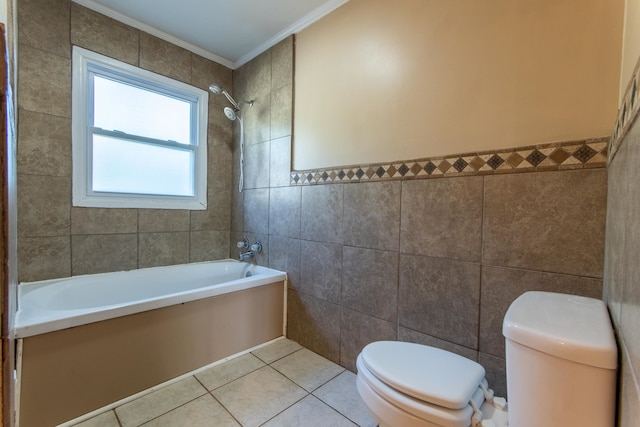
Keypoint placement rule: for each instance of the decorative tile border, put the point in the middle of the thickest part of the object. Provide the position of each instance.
(627, 113)
(591, 153)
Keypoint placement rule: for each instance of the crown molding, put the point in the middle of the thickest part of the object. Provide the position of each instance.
(296, 27)
(154, 31)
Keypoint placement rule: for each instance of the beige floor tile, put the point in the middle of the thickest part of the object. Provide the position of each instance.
(277, 350)
(307, 369)
(159, 402)
(258, 396)
(341, 394)
(106, 419)
(205, 411)
(309, 412)
(229, 371)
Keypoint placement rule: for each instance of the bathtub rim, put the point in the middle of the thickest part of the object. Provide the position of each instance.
(28, 323)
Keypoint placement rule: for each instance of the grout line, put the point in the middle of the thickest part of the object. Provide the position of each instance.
(117, 417)
(70, 252)
(210, 393)
(398, 253)
(447, 341)
(329, 380)
(482, 222)
(542, 271)
(175, 408)
(224, 407)
(235, 379)
(279, 358)
(341, 308)
(205, 387)
(308, 393)
(285, 409)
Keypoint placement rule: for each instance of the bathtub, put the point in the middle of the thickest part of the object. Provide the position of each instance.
(51, 305)
(87, 341)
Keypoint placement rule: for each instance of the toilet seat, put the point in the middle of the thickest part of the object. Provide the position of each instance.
(420, 385)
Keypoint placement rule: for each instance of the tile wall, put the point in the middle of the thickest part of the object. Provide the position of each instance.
(580, 154)
(58, 240)
(432, 261)
(435, 261)
(622, 272)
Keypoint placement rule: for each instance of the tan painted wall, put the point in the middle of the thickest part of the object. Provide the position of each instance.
(381, 80)
(630, 43)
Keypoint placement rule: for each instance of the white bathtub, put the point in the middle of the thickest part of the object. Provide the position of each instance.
(130, 331)
(56, 304)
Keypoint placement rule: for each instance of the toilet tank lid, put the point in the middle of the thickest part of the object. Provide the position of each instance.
(571, 327)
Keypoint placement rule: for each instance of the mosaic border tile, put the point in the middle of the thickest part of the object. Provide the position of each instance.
(627, 113)
(590, 153)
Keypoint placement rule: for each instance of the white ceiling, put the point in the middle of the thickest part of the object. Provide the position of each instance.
(231, 32)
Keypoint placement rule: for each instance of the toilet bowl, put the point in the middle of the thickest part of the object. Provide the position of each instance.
(561, 372)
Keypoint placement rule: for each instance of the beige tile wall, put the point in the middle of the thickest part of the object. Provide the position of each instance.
(436, 261)
(622, 272)
(329, 238)
(56, 239)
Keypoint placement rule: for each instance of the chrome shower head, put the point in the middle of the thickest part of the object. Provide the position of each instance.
(215, 89)
(220, 90)
(230, 113)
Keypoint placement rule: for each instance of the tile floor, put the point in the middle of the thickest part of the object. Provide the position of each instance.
(280, 385)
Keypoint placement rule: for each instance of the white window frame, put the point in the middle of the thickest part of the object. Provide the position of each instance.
(83, 130)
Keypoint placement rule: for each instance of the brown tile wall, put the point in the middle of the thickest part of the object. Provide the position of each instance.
(622, 270)
(436, 261)
(56, 239)
(358, 256)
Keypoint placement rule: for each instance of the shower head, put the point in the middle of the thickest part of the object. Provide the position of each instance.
(220, 90)
(215, 89)
(230, 113)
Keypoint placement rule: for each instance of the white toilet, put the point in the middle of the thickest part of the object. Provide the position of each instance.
(561, 372)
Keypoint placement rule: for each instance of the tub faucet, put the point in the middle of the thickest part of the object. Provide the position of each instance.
(253, 250)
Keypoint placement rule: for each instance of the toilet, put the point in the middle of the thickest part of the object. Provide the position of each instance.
(561, 359)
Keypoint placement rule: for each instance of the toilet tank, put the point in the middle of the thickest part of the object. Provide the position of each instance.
(561, 361)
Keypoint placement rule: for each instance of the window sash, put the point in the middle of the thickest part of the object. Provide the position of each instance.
(85, 65)
(94, 70)
(168, 145)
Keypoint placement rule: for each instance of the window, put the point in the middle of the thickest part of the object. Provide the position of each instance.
(139, 139)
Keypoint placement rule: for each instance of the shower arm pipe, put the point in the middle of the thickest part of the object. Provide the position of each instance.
(220, 90)
(235, 104)
(231, 100)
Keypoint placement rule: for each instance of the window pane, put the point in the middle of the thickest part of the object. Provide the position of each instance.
(124, 166)
(137, 111)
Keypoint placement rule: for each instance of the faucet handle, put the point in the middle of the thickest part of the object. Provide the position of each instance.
(243, 244)
(256, 247)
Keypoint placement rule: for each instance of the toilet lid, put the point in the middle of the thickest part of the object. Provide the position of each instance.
(433, 414)
(425, 373)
